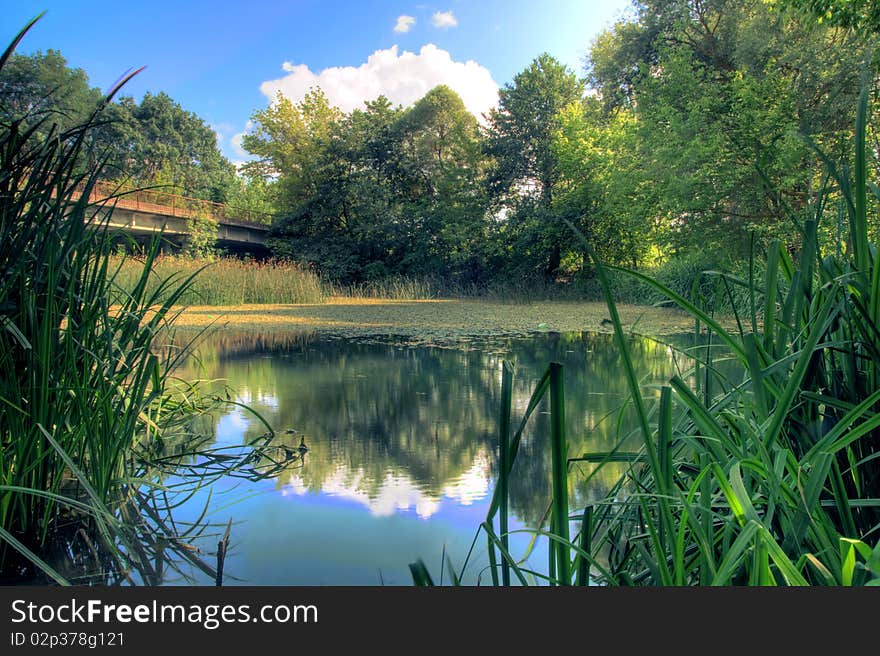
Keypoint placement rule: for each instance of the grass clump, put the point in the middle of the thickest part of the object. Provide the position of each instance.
(226, 280)
(393, 288)
(694, 276)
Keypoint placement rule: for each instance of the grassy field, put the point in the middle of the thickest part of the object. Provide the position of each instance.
(433, 320)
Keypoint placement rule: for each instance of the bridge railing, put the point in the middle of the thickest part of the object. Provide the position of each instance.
(167, 204)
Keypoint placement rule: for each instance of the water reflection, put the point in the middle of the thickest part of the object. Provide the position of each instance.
(401, 444)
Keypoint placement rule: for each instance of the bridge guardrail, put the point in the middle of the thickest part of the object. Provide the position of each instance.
(166, 204)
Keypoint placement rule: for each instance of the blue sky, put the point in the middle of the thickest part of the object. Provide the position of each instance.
(224, 59)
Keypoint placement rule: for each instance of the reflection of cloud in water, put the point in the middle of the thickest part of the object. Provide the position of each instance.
(398, 493)
(232, 426)
(472, 485)
(259, 397)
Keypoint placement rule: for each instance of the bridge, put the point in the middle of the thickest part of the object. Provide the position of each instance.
(143, 213)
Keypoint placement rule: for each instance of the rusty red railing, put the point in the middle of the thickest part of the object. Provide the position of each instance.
(166, 204)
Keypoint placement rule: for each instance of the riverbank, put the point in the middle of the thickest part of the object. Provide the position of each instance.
(433, 320)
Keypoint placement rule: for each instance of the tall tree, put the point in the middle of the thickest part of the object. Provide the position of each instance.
(602, 186)
(170, 145)
(520, 140)
(44, 83)
(383, 190)
(289, 140)
(441, 168)
(155, 141)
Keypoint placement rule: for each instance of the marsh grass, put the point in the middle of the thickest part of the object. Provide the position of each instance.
(230, 281)
(396, 289)
(772, 478)
(224, 280)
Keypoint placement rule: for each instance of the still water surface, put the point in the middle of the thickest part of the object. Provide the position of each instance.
(401, 449)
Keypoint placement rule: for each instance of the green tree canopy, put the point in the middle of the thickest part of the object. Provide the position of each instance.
(526, 170)
(724, 92)
(378, 191)
(152, 142)
(44, 83)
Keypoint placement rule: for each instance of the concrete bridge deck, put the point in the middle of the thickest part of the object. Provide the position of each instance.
(143, 213)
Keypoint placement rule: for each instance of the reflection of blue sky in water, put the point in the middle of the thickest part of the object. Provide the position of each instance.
(341, 534)
(401, 455)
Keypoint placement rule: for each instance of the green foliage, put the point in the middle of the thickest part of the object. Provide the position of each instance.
(602, 184)
(42, 84)
(522, 127)
(858, 15)
(526, 169)
(715, 88)
(154, 142)
(766, 478)
(289, 139)
(252, 198)
(379, 192)
(698, 276)
(655, 165)
(201, 237)
(659, 165)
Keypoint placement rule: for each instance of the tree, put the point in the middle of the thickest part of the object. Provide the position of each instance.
(724, 91)
(862, 16)
(331, 175)
(520, 140)
(152, 142)
(380, 191)
(602, 186)
(43, 83)
(289, 141)
(168, 145)
(440, 172)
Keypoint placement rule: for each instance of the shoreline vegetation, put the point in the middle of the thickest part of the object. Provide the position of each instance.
(764, 479)
(276, 295)
(228, 281)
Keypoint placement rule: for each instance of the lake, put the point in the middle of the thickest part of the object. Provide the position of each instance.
(402, 444)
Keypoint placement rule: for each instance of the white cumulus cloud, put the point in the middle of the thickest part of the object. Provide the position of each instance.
(444, 19)
(404, 22)
(403, 77)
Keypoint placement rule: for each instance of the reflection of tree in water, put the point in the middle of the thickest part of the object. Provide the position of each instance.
(595, 391)
(371, 411)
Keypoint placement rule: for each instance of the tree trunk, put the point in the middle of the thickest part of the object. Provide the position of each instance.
(553, 262)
